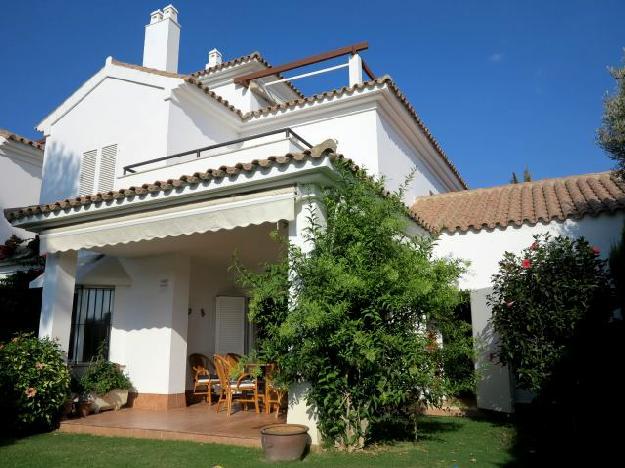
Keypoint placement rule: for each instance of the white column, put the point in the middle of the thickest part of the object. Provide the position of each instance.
(307, 204)
(181, 276)
(355, 70)
(57, 297)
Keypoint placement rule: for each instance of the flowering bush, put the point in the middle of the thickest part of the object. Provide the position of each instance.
(539, 300)
(34, 382)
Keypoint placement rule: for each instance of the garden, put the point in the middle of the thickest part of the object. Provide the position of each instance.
(376, 325)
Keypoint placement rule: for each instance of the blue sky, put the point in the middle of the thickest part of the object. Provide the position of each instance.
(500, 84)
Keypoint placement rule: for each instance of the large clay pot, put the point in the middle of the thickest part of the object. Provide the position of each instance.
(114, 399)
(284, 442)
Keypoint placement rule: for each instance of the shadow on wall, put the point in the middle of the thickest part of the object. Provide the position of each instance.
(61, 173)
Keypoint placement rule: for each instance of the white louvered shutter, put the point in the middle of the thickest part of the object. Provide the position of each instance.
(87, 172)
(230, 325)
(106, 176)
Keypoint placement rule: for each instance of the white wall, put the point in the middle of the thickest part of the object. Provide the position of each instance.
(208, 280)
(397, 158)
(129, 114)
(149, 323)
(484, 249)
(20, 166)
(192, 125)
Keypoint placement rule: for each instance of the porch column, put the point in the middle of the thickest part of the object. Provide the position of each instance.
(307, 203)
(149, 331)
(57, 297)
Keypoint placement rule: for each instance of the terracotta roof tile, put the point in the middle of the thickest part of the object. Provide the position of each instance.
(20, 139)
(526, 203)
(240, 60)
(316, 152)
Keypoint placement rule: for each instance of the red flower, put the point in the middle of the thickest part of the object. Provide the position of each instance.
(596, 251)
(534, 246)
(526, 264)
(31, 392)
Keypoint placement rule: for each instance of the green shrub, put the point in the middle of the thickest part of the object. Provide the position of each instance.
(34, 382)
(540, 300)
(102, 376)
(351, 316)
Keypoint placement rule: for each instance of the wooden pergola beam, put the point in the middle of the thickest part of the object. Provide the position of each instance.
(351, 49)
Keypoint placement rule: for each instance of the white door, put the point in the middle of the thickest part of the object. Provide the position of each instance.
(230, 324)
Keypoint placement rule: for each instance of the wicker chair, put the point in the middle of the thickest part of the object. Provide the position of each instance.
(272, 396)
(244, 389)
(203, 379)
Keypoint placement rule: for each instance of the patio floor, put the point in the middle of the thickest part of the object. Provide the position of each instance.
(198, 422)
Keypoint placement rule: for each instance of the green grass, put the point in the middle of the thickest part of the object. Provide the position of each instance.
(444, 442)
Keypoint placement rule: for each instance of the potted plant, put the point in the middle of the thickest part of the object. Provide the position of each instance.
(106, 384)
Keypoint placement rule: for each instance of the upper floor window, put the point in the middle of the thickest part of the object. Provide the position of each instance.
(97, 174)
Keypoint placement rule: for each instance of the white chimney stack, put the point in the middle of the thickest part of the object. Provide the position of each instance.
(214, 58)
(162, 39)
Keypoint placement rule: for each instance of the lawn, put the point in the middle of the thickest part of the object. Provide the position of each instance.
(444, 442)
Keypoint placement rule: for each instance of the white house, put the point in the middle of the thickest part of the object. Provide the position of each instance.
(21, 161)
(152, 179)
(480, 225)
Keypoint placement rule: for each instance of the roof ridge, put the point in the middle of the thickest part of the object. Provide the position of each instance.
(512, 185)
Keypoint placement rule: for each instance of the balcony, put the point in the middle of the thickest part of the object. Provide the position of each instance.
(241, 150)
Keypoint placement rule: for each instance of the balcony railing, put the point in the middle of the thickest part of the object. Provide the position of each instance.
(131, 168)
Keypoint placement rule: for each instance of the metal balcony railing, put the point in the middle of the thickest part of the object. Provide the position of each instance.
(288, 131)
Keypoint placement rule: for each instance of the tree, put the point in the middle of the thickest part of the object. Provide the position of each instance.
(611, 134)
(527, 176)
(358, 316)
(540, 299)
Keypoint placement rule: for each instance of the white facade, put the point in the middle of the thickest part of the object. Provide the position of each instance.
(20, 166)
(167, 251)
(484, 250)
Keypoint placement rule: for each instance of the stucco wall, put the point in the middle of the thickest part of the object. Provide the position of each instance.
(397, 159)
(149, 323)
(129, 114)
(484, 249)
(21, 183)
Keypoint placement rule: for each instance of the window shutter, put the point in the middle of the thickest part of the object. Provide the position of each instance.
(106, 177)
(87, 172)
(230, 325)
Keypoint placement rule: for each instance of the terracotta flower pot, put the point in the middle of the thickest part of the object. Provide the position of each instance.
(284, 442)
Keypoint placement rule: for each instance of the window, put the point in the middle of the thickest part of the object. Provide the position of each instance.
(98, 173)
(91, 322)
(87, 172)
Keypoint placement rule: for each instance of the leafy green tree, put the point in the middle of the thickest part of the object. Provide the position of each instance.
(540, 299)
(611, 135)
(358, 317)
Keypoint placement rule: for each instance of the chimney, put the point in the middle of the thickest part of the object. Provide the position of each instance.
(162, 38)
(214, 58)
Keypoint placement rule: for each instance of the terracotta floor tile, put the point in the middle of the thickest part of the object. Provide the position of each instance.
(198, 423)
